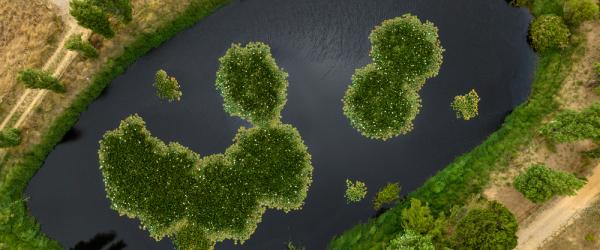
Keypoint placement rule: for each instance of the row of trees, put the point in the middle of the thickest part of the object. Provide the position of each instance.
(203, 200)
(383, 99)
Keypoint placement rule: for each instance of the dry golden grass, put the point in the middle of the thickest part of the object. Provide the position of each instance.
(29, 31)
(583, 233)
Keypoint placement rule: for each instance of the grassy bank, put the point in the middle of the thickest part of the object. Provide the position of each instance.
(467, 175)
(18, 230)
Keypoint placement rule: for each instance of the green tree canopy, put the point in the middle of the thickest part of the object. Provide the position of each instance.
(91, 16)
(383, 99)
(388, 194)
(418, 218)
(578, 11)
(411, 240)
(119, 8)
(356, 191)
(202, 200)
(167, 87)
(258, 96)
(85, 48)
(10, 137)
(40, 79)
(548, 32)
(540, 183)
(466, 106)
(569, 126)
(489, 228)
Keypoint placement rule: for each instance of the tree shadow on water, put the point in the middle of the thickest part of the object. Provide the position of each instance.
(101, 241)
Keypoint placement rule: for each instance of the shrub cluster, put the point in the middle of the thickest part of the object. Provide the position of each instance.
(252, 85)
(540, 183)
(205, 200)
(356, 191)
(549, 32)
(10, 137)
(85, 48)
(490, 227)
(419, 219)
(94, 14)
(569, 126)
(597, 68)
(167, 87)
(387, 195)
(410, 240)
(40, 79)
(578, 11)
(466, 106)
(383, 99)
(20, 230)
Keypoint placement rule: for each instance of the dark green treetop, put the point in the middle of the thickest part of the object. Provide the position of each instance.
(40, 79)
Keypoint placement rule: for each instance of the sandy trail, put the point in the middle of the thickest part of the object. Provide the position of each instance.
(561, 214)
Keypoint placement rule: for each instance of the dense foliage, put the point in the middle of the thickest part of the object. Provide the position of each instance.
(466, 106)
(492, 227)
(258, 96)
(94, 14)
(578, 11)
(387, 195)
(40, 79)
(85, 48)
(18, 229)
(419, 218)
(597, 68)
(383, 99)
(410, 240)
(549, 32)
(356, 191)
(540, 183)
(167, 87)
(569, 126)
(206, 200)
(10, 137)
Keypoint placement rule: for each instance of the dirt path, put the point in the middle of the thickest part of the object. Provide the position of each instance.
(561, 214)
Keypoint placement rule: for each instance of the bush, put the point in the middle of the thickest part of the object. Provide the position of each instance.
(387, 195)
(418, 218)
(90, 16)
(383, 100)
(356, 191)
(569, 126)
(597, 68)
(578, 11)
(85, 48)
(549, 32)
(40, 79)
(410, 240)
(258, 97)
(167, 88)
(119, 8)
(491, 227)
(466, 106)
(540, 184)
(378, 109)
(10, 137)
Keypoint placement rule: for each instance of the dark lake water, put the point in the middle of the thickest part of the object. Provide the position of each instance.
(319, 43)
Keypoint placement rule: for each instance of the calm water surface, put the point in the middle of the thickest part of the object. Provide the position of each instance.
(319, 43)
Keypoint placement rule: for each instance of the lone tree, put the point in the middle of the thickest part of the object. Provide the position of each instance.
(570, 126)
(356, 191)
(490, 227)
(466, 106)
(578, 11)
(94, 14)
(387, 195)
(75, 43)
(540, 183)
(383, 99)
(258, 97)
(40, 79)
(549, 32)
(10, 137)
(167, 87)
(204, 200)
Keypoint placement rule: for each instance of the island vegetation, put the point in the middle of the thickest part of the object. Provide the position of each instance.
(466, 106)
(387, 195)
(167, 87)
(383, 99)
(355, 191)
(203, 200)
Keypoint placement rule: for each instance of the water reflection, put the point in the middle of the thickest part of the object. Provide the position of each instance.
(101, 241)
